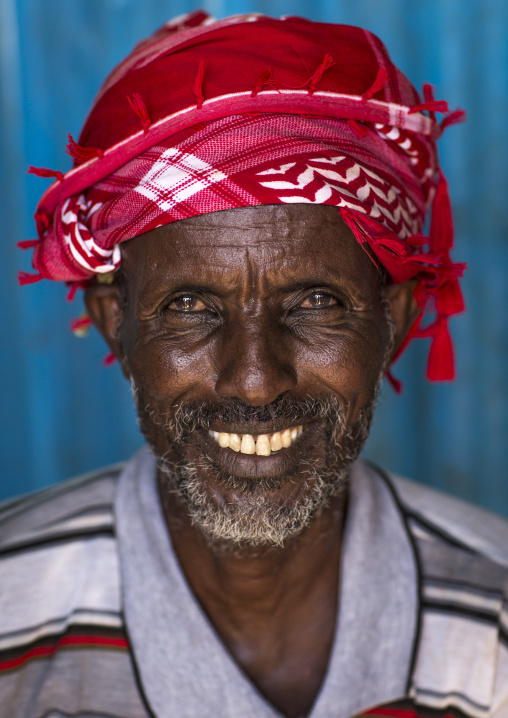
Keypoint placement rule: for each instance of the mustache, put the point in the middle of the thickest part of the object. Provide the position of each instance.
(188, 416)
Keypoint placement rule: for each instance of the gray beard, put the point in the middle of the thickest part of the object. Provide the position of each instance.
(261, 518)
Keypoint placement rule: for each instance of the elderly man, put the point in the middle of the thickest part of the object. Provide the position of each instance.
(245, 215)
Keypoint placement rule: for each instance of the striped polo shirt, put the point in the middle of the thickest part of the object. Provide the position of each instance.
(97, 620)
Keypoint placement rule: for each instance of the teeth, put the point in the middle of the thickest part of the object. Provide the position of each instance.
(275, 442)
(264, 445)
(285, 438)
(224, 440)
(248, 445)
(235, 442)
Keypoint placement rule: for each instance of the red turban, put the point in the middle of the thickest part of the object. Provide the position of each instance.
(250, 110)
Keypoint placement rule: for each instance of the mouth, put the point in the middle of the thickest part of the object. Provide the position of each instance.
(259, 444)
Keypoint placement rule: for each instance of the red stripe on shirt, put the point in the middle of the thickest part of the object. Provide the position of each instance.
(68, 642)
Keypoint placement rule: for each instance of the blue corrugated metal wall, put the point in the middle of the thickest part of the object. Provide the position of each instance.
(63, 413)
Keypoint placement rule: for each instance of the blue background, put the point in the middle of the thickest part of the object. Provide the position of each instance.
(62, 413)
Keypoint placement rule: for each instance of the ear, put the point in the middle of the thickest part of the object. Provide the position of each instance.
(104, 304)
(403, 309)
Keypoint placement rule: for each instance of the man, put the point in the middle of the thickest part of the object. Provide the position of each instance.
(245, 216)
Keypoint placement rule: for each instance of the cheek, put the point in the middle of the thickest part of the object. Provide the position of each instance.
(347, 363)
(168, 369)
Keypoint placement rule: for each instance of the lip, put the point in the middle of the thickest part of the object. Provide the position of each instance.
(252, 466)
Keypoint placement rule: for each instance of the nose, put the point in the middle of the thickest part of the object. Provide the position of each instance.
(254, 363)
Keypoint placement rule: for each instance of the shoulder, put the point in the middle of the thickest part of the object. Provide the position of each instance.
(453, 520)
(462, 551)
(58, 561)
(76, 507)
(61, 623)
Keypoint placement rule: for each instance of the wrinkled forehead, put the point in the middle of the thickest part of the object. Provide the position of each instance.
(272, 247)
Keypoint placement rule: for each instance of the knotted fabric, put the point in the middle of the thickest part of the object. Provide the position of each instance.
(206, 116)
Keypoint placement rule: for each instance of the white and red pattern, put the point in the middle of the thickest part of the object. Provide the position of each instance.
(76, 212)
(339, 181)
(175, 177)
(243, 160)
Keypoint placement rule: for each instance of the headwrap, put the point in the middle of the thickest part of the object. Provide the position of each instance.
(209, 115)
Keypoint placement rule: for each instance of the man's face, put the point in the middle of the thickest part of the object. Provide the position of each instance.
(249, 323)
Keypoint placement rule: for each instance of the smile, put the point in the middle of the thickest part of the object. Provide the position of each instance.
(262, 444)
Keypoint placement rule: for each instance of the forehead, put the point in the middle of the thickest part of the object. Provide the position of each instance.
(271, 244)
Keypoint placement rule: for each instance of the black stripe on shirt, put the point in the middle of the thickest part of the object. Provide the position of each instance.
(475, 614)
(64, 621)
(492, 592)
(106, 531)
(439, 532)
(25, 504)
(90, 511)
(447, 695)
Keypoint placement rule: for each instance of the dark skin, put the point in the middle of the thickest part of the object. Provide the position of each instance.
(251, 303)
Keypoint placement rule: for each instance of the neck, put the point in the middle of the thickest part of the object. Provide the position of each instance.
(273, 608)
(247, 572)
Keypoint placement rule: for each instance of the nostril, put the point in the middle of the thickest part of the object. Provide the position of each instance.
(255, 371)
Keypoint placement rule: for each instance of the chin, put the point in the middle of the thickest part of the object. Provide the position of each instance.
(232, 510)
(237, 500)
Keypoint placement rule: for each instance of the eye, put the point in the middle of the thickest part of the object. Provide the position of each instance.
(318, 300)
(187, 303)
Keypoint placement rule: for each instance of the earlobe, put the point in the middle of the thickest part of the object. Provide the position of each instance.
(403, 309)
(104, 305)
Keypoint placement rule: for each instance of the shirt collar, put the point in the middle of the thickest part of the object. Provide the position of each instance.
(184, 668)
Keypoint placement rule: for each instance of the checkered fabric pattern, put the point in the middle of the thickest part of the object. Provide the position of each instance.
(207, 116)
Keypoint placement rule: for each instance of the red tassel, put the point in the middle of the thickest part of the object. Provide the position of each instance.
(74, 286)
(431, 106)
(395, 246)
(428, 96)
(80, 323)
(395, 383)
(264, 79)
(82, 154)
(449, 298)
(454, 118)
(72, 291)
(326, 63)
(441, 221)
(28, 243)
(416, 240)
(349, 219)
(28, 278)
(359, 129)
(42, 219)
(139, 108)
(428, 92)
(358, 232)
(441, 361)
(45, 172)
(379, 83)
(426, 332)
(198, 85)
(421, 298)
(109, 359)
